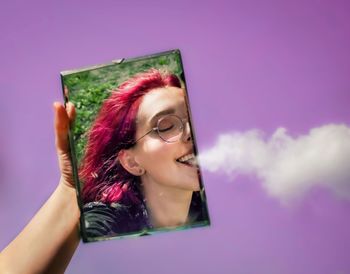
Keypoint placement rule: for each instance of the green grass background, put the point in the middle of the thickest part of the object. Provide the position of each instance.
(88, 88)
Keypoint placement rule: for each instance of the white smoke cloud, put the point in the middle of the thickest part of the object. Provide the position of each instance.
(286, 166)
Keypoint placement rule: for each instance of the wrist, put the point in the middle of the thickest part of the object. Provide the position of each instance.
(67, 186)
(68, 196)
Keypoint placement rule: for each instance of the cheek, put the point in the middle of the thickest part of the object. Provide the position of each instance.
(156, 153)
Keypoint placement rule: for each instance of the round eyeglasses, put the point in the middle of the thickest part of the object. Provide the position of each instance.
(169, 128)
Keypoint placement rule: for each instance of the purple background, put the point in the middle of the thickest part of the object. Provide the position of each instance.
(249, 64)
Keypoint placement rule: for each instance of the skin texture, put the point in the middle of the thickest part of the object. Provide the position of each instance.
(167, 184)
(52, 235)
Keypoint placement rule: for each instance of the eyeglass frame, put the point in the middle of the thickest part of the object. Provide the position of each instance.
(184, 124)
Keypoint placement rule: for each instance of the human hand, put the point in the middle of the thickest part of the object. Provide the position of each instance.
(63, 117)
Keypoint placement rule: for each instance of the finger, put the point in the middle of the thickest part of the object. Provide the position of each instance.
(61, 128)
(71, 111)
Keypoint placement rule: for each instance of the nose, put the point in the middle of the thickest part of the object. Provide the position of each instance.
(186, 136)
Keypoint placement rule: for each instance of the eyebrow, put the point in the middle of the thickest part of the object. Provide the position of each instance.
(161, 113)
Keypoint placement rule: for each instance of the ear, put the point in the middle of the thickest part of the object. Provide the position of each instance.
(127, 160)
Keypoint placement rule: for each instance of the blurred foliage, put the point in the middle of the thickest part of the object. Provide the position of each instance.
(88, 88)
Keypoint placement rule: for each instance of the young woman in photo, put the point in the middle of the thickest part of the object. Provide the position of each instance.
(139, 169)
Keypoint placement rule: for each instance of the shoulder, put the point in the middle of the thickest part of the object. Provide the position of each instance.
(112, 219)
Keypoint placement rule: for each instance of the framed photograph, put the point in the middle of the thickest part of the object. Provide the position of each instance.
(133, 148)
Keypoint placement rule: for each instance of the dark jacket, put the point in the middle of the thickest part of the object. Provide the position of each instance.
(117, 219)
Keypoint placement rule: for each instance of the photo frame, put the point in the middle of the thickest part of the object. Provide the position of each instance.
(133, 148)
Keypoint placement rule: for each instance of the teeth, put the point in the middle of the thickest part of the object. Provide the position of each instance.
(187, 158)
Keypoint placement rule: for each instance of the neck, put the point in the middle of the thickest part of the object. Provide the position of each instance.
(168, 206)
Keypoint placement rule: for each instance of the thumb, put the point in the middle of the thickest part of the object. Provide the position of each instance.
(63, 116)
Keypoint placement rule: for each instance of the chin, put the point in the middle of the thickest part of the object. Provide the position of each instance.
(195, 186)
(190, 186)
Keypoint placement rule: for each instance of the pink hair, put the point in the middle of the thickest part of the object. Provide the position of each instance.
(104, 179)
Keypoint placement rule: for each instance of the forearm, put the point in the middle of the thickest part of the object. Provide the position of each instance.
(48, 242)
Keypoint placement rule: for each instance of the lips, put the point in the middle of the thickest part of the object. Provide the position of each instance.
(188, 159)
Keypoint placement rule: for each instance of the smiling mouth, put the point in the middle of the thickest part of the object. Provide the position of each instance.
(189, 160)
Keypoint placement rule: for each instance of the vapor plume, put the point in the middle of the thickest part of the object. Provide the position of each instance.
(287, 166)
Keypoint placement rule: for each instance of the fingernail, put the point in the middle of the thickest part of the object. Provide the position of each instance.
(55, 104)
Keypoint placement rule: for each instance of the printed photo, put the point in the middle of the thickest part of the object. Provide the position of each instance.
(133, 147)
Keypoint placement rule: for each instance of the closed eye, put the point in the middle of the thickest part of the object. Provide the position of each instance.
(166, 128)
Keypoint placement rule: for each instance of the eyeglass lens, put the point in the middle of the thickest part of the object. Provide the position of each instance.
(170, 128)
